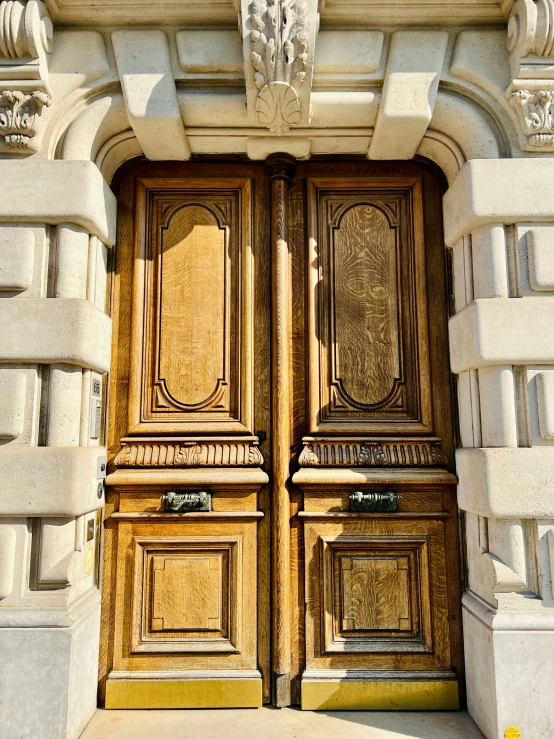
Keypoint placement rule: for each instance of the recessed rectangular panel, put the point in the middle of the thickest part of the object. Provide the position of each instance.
(187, 592)
(186, 595)
(375, 593)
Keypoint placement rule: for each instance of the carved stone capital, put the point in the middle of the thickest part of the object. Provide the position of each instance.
(534, 110)
(18, 116)
(26, 39)
(278, 44)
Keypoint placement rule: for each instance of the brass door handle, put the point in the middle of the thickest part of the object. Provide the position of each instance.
(373, 502)
(187, 502)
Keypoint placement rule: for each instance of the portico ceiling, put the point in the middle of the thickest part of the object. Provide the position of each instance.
(222, 13)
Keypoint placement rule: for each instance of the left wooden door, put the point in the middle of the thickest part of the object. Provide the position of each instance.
(186, 565)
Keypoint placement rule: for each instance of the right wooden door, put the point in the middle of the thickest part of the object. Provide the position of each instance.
(374, 494)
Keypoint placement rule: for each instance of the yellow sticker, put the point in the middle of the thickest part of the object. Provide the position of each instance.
(512, 732)
(89, 561)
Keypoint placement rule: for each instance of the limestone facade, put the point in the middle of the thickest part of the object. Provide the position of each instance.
(86, 87)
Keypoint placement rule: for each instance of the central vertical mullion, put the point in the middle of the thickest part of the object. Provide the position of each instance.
(281, 168)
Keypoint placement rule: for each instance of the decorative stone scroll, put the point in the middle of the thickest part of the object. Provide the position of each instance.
(383, 453)
(531, 46)
(156, 453)
(26, 39)
(278, 45)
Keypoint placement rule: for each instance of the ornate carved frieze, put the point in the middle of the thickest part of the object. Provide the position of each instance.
(26, 37)
(531, 46)
(382, 453)
(279, 38)
(217, 453)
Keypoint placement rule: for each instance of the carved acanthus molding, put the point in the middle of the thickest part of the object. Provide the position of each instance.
(150, 453)
(382, 453)
(535, 113)
(26, 38)
(18, 114)
(279, 38)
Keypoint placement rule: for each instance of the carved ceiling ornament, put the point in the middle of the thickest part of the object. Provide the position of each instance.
(26, 39)
(531, 46)
(279, 39)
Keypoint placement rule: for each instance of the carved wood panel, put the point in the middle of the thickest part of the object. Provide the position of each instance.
(380, 600)
(183, 598)
(375, 593)
(185, 594)
(192, 309)
(369, 370)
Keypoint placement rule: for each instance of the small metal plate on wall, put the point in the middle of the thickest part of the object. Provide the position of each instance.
(373, 502)
(187, 502)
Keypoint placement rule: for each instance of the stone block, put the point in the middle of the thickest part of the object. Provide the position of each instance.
(50, 481)
(48, 678)
(78, 58)
(210, 55)
(347, 58)
(498, 191)
(498, 407)
(58, 192)
(506, 483)
(332, 109)
(502, 331)
(545, 404)
(540, 255)
(150, 95)
(8, 540)
(13, 385)
(17, 256)
(71, 262)
(481, 58)
(490, 268)
(55, 330)
(411, 82)
(510, 680)
(260, 147)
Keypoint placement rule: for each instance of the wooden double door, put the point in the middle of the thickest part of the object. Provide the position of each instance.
(281, 522)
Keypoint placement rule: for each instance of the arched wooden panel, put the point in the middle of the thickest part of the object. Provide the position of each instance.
(369, 344)
(192, 310)
(365, 306)
(193, 343)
